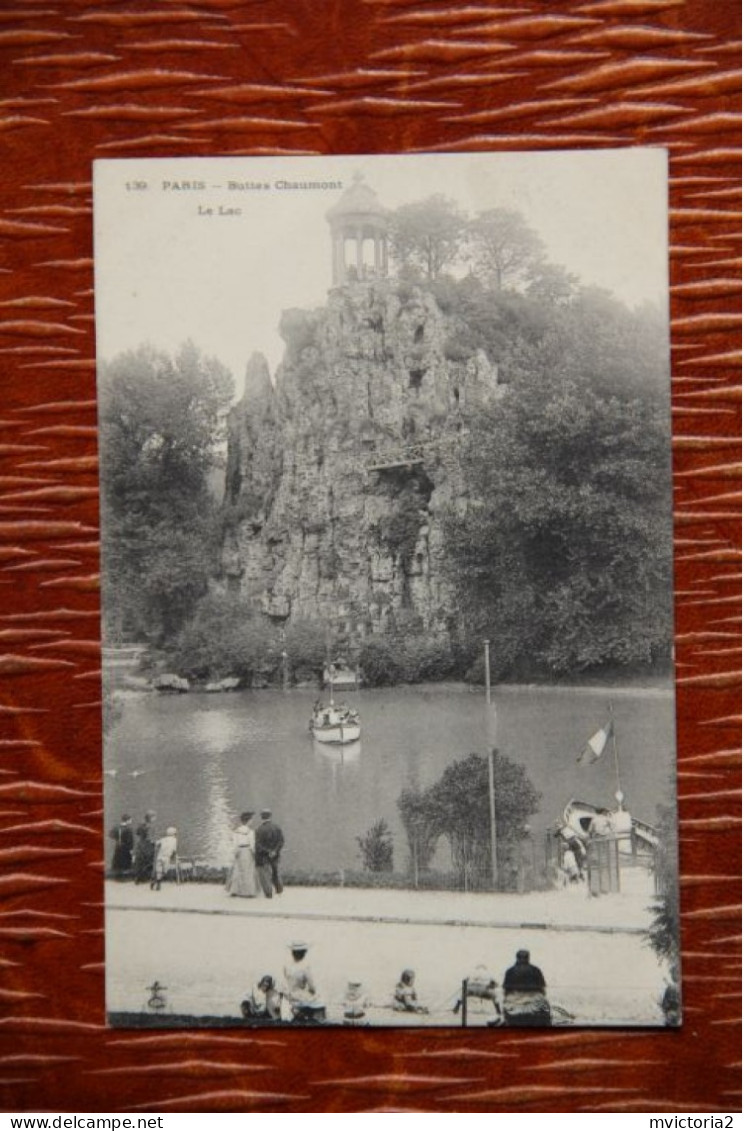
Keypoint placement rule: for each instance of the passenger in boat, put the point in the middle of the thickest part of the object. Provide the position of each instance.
(601, 824)
(165, 857)
(405, 997)
(243, 878)
(570, 865)
(121, 864)
(144, 849)
(269, 843)
(264, 1001)
(525, 1000)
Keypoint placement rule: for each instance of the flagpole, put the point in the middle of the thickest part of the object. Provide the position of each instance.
(490, 752)
(619, 795)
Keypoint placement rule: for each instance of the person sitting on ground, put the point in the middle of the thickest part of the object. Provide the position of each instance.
(481, 986)
(405, 998)
(166, 857)
(299, 984)
(525, 1001)
(264, 1001)
(355, 1004)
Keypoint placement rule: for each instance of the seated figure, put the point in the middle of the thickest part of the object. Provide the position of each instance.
(525, 1000)
(405, 997)
(299, 986)
(264, 1001)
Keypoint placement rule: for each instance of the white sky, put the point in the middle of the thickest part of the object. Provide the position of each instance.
(165, 273)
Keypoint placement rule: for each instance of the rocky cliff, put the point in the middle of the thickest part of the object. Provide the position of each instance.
(340, 470)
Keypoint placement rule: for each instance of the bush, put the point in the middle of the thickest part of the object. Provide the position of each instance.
(224, 638)
(376, 848)
(425, 659)
(380, 666)
(305, 645)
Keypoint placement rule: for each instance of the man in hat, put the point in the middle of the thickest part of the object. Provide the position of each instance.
(144, 849)
(269, 844)
(525, 1002)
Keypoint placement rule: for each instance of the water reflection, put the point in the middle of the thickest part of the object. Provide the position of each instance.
(220, 816)
(210, 757)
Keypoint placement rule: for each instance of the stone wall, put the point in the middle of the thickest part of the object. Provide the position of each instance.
(317, 525)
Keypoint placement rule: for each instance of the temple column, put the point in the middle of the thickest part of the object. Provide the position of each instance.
(360, 252)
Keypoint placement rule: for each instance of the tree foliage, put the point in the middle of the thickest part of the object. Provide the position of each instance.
(160, 421)
(563, 559)
(306, 642)
(376, 848)
(427, 236)
(505, 250)
(457, 808)
(663, 934)
(225, 637)
(422, 833)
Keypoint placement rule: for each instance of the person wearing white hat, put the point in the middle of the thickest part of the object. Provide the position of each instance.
(299, 983)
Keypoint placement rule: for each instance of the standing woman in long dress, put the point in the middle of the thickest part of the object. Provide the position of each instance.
(242, 879)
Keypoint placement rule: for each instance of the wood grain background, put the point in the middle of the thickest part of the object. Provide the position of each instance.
(120, 78)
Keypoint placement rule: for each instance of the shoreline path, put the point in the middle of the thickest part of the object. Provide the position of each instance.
(208, 949)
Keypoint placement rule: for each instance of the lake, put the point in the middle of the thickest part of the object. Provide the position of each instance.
(198, 760)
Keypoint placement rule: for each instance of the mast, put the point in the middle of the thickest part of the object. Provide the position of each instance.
(490, 752)
(619, 795)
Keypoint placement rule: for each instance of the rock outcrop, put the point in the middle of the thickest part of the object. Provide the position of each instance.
(340, 471)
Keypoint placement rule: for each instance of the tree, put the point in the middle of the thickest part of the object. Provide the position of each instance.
(225, 637)
(161, 421)
(552, 284)
(376, 848)
(421, 831)
(564, 557)
(306, 645)
(460, 808)
(427, 236)
(378, 663)
(457, 807)
(505, 249)
(663, 934)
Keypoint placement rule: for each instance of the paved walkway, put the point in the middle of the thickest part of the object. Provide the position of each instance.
(569, 909)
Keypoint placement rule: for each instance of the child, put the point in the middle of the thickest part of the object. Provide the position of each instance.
(354, 1003)
(166, 850)
(264, 1002)
(405, 998)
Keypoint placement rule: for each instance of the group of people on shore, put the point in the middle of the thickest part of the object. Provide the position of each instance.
(142, 855)
(254, 866)
(522, 1000)
(256, 855)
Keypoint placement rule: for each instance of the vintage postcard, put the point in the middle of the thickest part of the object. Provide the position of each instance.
(387, 590)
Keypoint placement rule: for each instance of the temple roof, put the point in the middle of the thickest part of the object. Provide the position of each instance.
(358, 199)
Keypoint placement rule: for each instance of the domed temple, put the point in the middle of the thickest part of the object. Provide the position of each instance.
(359, 234)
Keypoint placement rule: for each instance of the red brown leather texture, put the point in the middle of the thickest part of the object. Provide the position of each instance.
(117, 78)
